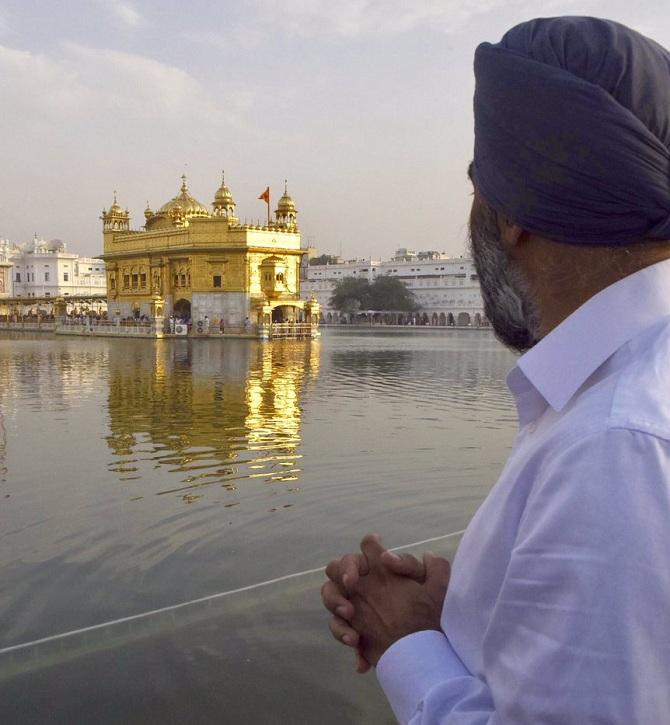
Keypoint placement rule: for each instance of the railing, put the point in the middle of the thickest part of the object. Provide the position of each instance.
(137, 328)
(77, 326)
(292, 330)
(92, 322)
(46, 326)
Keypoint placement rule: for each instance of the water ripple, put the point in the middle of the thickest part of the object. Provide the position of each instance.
(132, 469)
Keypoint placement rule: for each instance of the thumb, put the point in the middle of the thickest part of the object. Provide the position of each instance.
(438, 571)
(372, 549)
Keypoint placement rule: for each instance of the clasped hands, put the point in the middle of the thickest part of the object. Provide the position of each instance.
(377, 597)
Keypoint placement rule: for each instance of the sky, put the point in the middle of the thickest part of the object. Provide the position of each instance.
(364, 106)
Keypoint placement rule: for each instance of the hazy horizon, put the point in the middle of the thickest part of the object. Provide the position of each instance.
(365, 107)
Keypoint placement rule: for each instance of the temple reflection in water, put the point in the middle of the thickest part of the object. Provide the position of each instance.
(217, 413)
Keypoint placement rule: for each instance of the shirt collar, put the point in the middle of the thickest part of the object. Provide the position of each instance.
(560, 363)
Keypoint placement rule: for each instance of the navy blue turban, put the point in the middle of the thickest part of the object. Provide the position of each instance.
(572, 131)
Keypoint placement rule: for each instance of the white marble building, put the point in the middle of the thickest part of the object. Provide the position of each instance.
(46, 269)
(445, 288)
(6, 264)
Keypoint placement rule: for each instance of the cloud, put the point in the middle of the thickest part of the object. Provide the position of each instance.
(33, 83)
(356, 18)
(233, 39)
(88, 81)
(126, 12)
(140, 86)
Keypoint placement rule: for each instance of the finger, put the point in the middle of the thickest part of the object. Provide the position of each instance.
(362, 665)
(333, 569)
(372, 549)
(353, 567)
(345, 571)
(343, 632)
(404, 565)
(335, 601)
(438, 571)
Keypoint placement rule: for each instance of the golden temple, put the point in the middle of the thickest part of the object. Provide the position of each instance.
(195, 264)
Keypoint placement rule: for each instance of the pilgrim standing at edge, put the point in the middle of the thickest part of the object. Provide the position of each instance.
(558, 605)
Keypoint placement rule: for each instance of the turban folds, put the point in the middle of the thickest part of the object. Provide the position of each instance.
(572, 131)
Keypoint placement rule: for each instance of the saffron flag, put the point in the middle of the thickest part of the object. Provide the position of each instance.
(265, 196)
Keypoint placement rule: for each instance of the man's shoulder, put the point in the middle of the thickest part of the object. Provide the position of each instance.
(631, 391)
(641, 395)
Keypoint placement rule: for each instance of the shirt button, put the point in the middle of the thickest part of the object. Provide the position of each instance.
(532, 427)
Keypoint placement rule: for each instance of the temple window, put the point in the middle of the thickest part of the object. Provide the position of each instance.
(135, 278)
(216, 280)
(126, 281)
(112, 282)
(143, 280)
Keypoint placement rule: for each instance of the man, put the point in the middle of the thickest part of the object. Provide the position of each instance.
(558, 605)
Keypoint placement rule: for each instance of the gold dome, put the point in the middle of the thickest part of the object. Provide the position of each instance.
(223, 196)
(115, 219)
(184, 204)
(114, 210)
(286, 204)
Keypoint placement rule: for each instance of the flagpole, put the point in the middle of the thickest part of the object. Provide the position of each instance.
(265, 196)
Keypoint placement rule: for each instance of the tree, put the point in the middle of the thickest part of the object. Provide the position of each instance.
(323, 259)
(385, 293)
(351, 294)
(390, 293)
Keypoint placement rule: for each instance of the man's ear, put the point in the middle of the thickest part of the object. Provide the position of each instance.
(513, 235)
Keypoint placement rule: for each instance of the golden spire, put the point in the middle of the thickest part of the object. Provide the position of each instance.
(224, 204)
(286, 203)
(286, 212)
(115, 218)
(115, 208)
(184, 186)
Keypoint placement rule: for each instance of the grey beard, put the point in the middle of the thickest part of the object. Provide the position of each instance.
(509, 303)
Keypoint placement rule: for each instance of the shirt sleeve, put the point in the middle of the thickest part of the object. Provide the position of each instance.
(578, 633)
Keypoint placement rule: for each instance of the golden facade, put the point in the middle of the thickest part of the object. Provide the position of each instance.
(193, 263)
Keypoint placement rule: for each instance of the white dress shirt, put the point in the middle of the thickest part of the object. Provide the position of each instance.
(558, 610)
